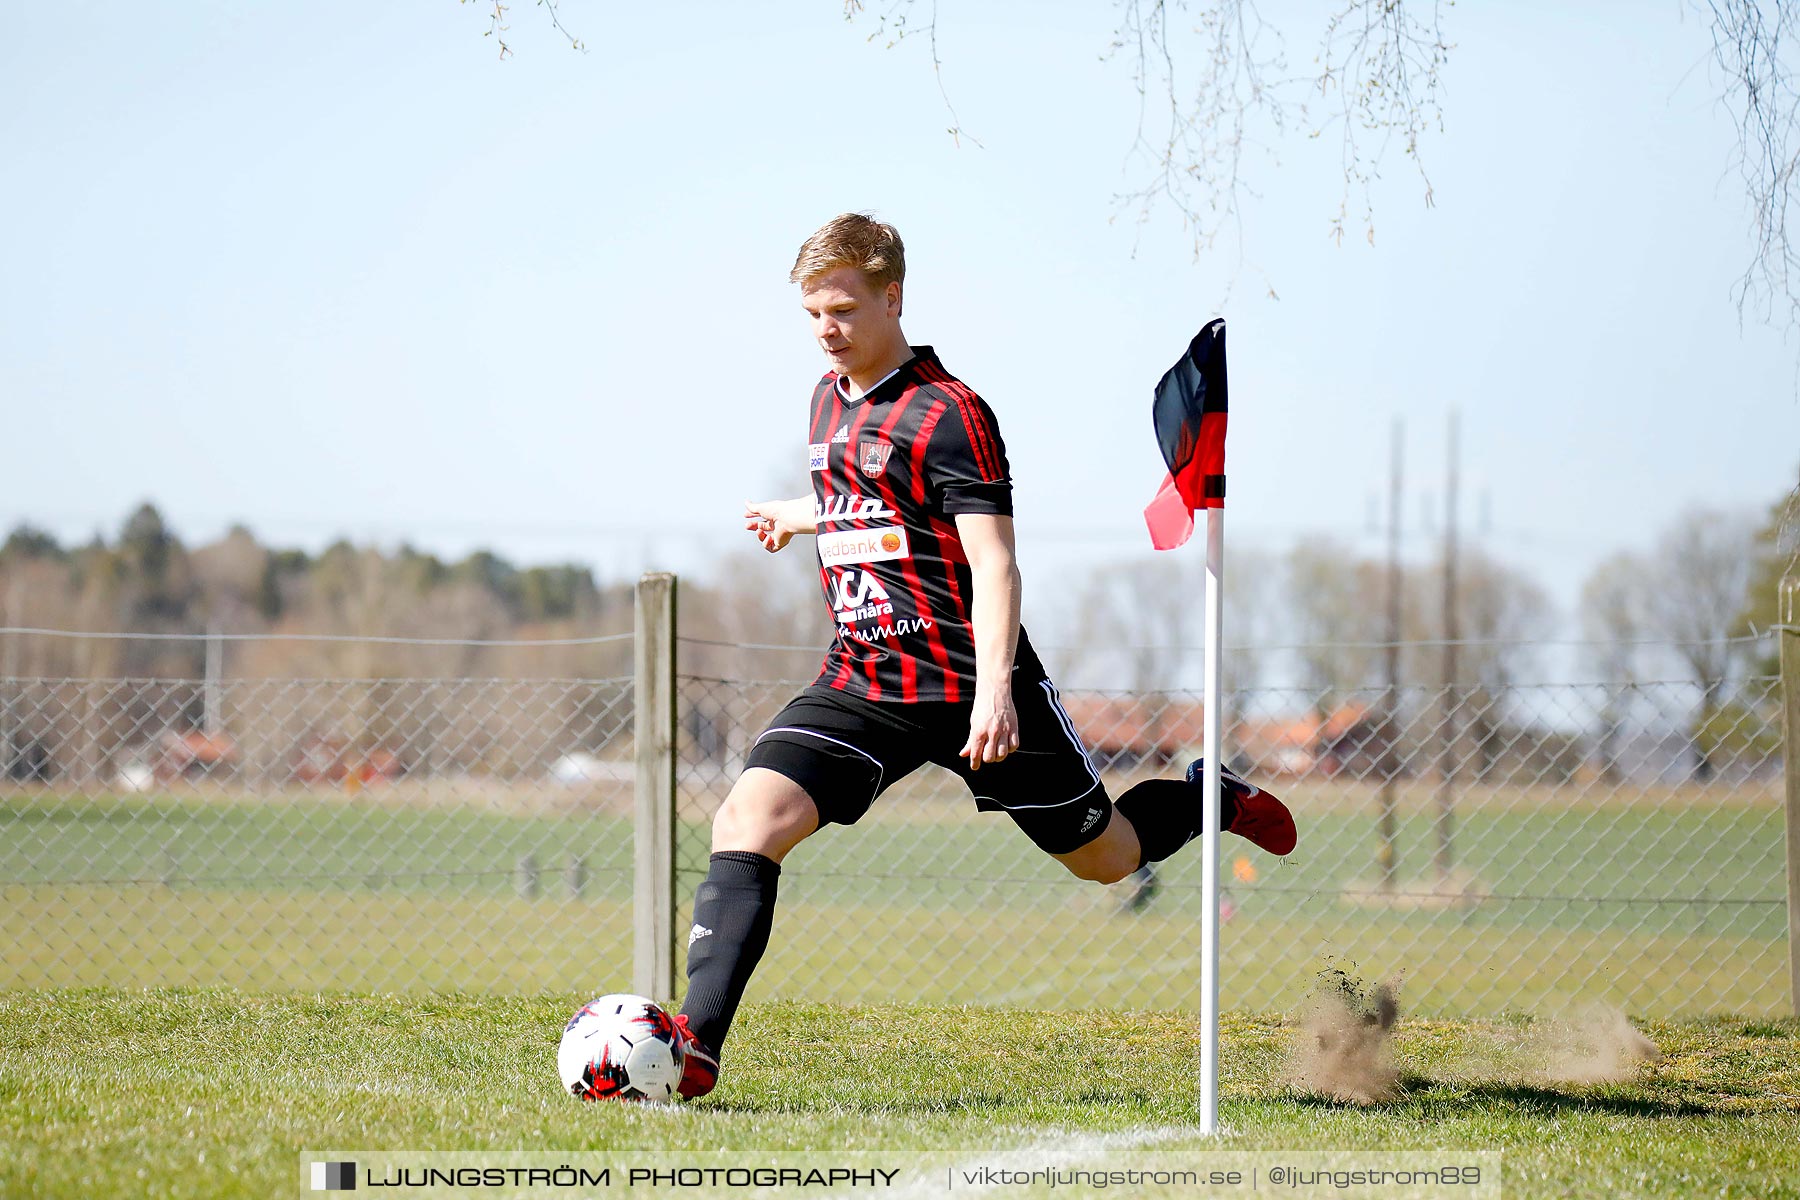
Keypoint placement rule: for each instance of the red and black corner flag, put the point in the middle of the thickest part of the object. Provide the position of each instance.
(1190, 427)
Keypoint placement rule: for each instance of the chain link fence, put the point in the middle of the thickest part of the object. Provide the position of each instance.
(1495, 849)
(449, 834)
(1499, 848)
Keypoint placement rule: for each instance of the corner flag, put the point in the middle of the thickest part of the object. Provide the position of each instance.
(1190, 427)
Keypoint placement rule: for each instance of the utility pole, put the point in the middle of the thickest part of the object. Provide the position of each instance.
(1447, 728)
(1787, 612)
(1386, 856)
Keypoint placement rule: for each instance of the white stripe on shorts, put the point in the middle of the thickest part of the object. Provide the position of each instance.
(880, 767)
(1068, 728)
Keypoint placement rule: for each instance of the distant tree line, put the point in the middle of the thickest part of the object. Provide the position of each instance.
(1707, 579)
(147, 580)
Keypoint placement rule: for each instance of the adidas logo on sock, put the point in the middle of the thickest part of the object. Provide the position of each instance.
(697, 932)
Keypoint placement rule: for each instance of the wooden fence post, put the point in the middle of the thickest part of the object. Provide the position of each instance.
(653, 838)
(1788, 614)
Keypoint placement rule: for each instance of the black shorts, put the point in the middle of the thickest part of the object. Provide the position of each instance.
(845, 751)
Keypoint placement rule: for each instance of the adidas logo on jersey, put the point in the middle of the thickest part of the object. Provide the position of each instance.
(842, 435)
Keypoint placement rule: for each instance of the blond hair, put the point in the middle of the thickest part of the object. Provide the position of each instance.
(853, 240)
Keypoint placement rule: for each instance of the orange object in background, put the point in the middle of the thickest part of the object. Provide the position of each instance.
(192, 755)
(331, 760)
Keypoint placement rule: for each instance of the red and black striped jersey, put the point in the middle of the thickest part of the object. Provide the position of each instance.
(890, 473)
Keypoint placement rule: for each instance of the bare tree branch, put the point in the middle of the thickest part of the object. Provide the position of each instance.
(1194, 159)
(1750, 44)
(892, 23)
(1383, 60)
(1212, 84)
(1378, 79)
(1750, 40)
(498, 28)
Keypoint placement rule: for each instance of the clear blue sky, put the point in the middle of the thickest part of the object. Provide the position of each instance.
(333, 269)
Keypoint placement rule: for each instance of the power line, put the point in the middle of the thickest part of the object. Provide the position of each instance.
(604, 639)
(314, 637)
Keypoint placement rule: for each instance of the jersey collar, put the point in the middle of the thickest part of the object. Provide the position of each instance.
(889, 385)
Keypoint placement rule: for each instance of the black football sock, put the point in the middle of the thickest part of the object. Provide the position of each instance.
(1167, 815)
(733, 911)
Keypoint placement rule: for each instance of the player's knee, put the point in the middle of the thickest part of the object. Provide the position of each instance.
(1110, 872)
(1098, 864)
(765, 820)
(742, 824)
(1110, 857)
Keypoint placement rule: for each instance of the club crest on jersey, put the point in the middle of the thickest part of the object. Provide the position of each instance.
(872, 457)
(815, 455)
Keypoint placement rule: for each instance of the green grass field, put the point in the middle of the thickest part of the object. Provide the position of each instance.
(194, 989)
(216, 1093)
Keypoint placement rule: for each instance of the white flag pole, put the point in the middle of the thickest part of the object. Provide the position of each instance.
(1209, 834)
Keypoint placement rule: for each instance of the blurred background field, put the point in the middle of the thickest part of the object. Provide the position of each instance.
(259, 766)
(1670, 901)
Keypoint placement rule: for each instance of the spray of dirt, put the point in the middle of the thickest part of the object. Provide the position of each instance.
(1345, 1046)
(1598, 1044)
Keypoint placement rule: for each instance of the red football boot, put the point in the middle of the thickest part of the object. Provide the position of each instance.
(699, 1066)
(1260, 818)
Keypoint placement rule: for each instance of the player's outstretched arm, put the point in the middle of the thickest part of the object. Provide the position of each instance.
(994, 615)
(775, 522)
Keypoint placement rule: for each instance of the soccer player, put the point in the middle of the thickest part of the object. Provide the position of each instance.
(911, 506)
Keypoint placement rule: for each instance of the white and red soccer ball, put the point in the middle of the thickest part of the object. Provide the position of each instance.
(620, 1047)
